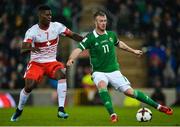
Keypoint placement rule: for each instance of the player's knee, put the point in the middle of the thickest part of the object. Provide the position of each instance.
(102, 85)
(28, 89)
(60, 75)
(30, 85)
(129, 92)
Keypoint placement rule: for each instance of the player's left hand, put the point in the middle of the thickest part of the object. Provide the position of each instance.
(139, 53)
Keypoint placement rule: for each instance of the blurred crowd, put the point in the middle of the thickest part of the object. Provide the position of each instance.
(158, 22)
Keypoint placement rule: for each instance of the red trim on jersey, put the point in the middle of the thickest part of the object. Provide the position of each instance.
(28, 40)
(67, 31)
(45, 44)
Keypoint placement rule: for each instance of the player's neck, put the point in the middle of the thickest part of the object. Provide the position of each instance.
(43, 26)
(100, 32)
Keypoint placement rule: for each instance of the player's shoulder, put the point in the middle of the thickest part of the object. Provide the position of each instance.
(110, 32)
(89, 36)
(32, 28)
(56, 24)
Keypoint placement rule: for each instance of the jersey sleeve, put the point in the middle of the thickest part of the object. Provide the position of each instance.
(85, 44)
(116, 40)
(62, 29)
(28, 36)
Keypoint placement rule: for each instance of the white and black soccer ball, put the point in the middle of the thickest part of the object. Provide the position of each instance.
(144, 115)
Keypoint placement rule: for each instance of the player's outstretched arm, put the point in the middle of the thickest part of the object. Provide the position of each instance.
(75, 36)
(125, 47)
(75, 53)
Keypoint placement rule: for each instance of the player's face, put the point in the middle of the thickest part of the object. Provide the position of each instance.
(45, 17)
(101, 22)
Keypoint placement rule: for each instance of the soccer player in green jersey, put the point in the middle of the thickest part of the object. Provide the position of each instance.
(101, 45)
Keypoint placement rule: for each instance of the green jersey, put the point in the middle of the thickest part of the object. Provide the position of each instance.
(102, 51)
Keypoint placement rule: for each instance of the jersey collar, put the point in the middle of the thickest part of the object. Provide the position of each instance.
(44, 28)
(96, 34)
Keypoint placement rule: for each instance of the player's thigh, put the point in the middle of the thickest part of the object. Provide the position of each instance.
(119, 81)
(34, 71)
(99, 76)
(55, 70)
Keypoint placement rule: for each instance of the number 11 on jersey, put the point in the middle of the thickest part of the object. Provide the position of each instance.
(106, 48)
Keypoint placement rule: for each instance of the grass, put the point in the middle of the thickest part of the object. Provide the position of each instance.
(86, 116)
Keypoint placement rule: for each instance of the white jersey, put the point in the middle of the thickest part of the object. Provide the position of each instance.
(45, 40)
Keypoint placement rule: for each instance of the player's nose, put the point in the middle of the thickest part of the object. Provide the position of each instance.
(49, 17)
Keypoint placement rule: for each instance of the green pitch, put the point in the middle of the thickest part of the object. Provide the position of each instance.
(85, 116)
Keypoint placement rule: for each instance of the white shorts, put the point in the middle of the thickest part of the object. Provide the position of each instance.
(115, 78)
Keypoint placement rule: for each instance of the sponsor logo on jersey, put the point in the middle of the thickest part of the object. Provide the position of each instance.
(104, 41)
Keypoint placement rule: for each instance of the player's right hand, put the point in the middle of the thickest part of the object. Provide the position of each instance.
(35, 49)
(69, 62)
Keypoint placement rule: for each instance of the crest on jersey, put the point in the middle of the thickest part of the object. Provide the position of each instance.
(110, 39)
(96, 44)
(39, 35)
(48, 43)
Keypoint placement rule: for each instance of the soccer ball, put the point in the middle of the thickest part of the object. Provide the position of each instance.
(144, 115)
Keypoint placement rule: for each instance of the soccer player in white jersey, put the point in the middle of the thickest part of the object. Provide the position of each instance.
(41, 41)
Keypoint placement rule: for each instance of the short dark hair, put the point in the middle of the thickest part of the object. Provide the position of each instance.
(99, 13)
(43, 7)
